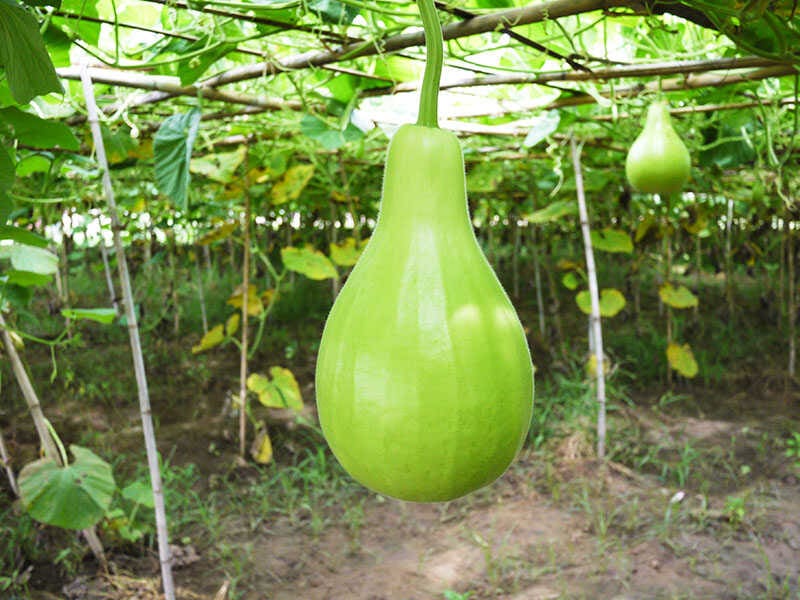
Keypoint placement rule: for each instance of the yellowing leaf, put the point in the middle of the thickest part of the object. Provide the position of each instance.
(338, 196)
(677, 297)
(268, 297)
(346, 253)
(643, 228)
(261, 449)
(214, 337)
(568, 265)
(282, 391)
(682, 360)
(139, 206)
(309, 262)
(292, 184)
(611, 302)
(612, 240)
(254, 306)
(591, 366)
(232, 324)
(219, 233)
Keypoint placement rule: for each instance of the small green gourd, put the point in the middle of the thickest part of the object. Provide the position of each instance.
(658, 161)
(424, 378)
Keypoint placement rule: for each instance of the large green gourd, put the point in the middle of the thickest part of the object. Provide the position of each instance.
(424, 379)
(658, 161)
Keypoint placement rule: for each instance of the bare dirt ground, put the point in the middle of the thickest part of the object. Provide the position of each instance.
(557, 525)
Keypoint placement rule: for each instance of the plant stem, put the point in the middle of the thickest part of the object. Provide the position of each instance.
(164, 552)
(434, 48)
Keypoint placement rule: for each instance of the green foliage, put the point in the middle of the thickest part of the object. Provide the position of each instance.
(23, 54)
(73, 496)
(172, 150)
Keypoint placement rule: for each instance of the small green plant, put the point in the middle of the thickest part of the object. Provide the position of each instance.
(451, 595)
(793, 448)
(735, 510)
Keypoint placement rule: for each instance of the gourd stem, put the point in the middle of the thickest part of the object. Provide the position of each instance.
(434, 47)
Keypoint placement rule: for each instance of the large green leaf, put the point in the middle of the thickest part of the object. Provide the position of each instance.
(26, 279)
(282, 391)
(552, 212)
(23, 236)
(330, 137)
(333, 11)
(29, 70)
(309, 262)
(543, 126)
(220, 166)
(75, 496)
(612, 240)
(85, 30)
(7, 171)
(611, 302)
(33, 259)
(172, 151)
(37, 132)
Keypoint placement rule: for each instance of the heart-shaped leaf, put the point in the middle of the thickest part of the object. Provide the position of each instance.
(75, 496)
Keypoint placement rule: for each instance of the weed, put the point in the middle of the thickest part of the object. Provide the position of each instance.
(735, 510)
(793, 448)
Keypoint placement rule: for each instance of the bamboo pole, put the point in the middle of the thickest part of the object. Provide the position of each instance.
(109, 279)
(245, 294)
(594, 294)
(148, 430)
(12, 480)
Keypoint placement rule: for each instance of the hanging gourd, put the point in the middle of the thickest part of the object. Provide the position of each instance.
(424, 378)
(658, 161)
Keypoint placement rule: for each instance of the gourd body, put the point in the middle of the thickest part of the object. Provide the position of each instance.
(658, 161)
(424, 379)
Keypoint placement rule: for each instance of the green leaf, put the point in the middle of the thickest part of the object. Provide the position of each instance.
(571, 280)
(220, 166)
(85, 30)
(333, 11)
(29, 70)
(484, 177)
(26, 279)
(74, 496)
(31, 130)
(214, 337)
(101, 315)
(552, 212)
(7, 171)
(677, 297)
(172, 151)
(681, 359)
(33, 259)
(23, 236)
(331, 138)
(291, 184)
(611, 302)
(282, 391)
(309, 262)
(139, 492)
(34, 163)
(612, 240)
(543, 126)
(346, 253)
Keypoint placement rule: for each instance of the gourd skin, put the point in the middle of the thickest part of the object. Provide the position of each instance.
(658, 161)
(424, 379)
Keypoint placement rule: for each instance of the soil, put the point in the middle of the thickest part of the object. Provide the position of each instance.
(558, 524)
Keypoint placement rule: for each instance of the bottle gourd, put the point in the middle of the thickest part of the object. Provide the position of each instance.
(658, 161)
(424, 378)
